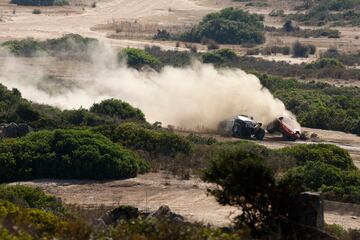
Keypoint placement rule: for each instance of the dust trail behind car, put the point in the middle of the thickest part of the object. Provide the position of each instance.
(198, 95)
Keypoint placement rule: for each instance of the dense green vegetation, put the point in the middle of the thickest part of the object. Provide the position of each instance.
(78, 154)
(13, 108)
(118, 109)
(171, 58)
(289, 30)
(229, 26)
(29, 197)
(348, 59)
(146, 138)
(68, 46)
(336, 12)
(319, 105)
(326, 168)
(252, 177)
(138, 58)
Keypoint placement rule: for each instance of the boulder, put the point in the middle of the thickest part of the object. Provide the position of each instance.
(120, 213)
(23, 129)
(11, 130)
(164, 212)
(291, 26)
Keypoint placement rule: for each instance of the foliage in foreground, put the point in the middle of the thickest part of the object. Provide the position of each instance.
(252, 178)
(245, 179)
(36, 221)
(77, 154)
(29, 197)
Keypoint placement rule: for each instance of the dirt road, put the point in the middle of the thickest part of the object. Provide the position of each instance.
(148, 192)
(52, 24)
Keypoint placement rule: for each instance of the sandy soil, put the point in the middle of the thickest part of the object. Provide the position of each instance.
(150, 191)
(147, 192)
(24, 24)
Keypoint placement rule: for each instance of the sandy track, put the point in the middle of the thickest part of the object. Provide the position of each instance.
(46, 25)
(148, 192)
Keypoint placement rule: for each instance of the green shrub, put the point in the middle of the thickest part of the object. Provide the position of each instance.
(71, 46)
(66, 154)
(13, 108)
(170, 58)
(197, 139)
(244, 179)
(138, 58)
(162, 35)
(229, 26)
(27, 47)
(325, 168)
(325, 63)
(300, 50)
(142, 137)
(36, 11)
(212, 57)
(325, 153)
(220, 57)
(117, 109)
(61, 2)
(29, 197)
(30, 223)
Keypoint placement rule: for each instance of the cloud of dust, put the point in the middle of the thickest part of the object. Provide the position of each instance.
(198, 96)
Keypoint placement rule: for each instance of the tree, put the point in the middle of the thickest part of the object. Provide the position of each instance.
(118, 109)
(243, 179)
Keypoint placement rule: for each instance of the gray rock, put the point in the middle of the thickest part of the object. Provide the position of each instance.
(165, 213)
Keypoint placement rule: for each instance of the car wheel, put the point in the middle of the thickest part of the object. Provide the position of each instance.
(236, 130)
(260, 134)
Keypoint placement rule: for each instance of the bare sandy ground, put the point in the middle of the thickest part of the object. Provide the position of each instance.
(45, 25)
(150, 191)
(147, 192)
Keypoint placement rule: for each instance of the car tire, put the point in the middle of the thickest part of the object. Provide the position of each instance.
(260, 134)
(236, 130)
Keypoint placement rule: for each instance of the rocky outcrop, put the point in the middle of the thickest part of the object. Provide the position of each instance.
(13, 130)
(164, 212)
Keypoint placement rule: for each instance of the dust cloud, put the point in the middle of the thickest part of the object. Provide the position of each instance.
(195, 97)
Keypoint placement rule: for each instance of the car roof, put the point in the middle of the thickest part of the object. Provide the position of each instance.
(244, 118)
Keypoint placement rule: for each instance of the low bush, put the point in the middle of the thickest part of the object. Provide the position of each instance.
(68, 46)
(118, 109)
(325, 168)
(36, 11)
(171, 58)
(325, 63)
(138, 58)
(13, 108)
(348, 59)
(143, 137)
(29, 197)
(66, 154)
(325, 153)
(301, 50)
(162, 35)
(27, 47)
(220, 57)
(30, 223)
(229, 26)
